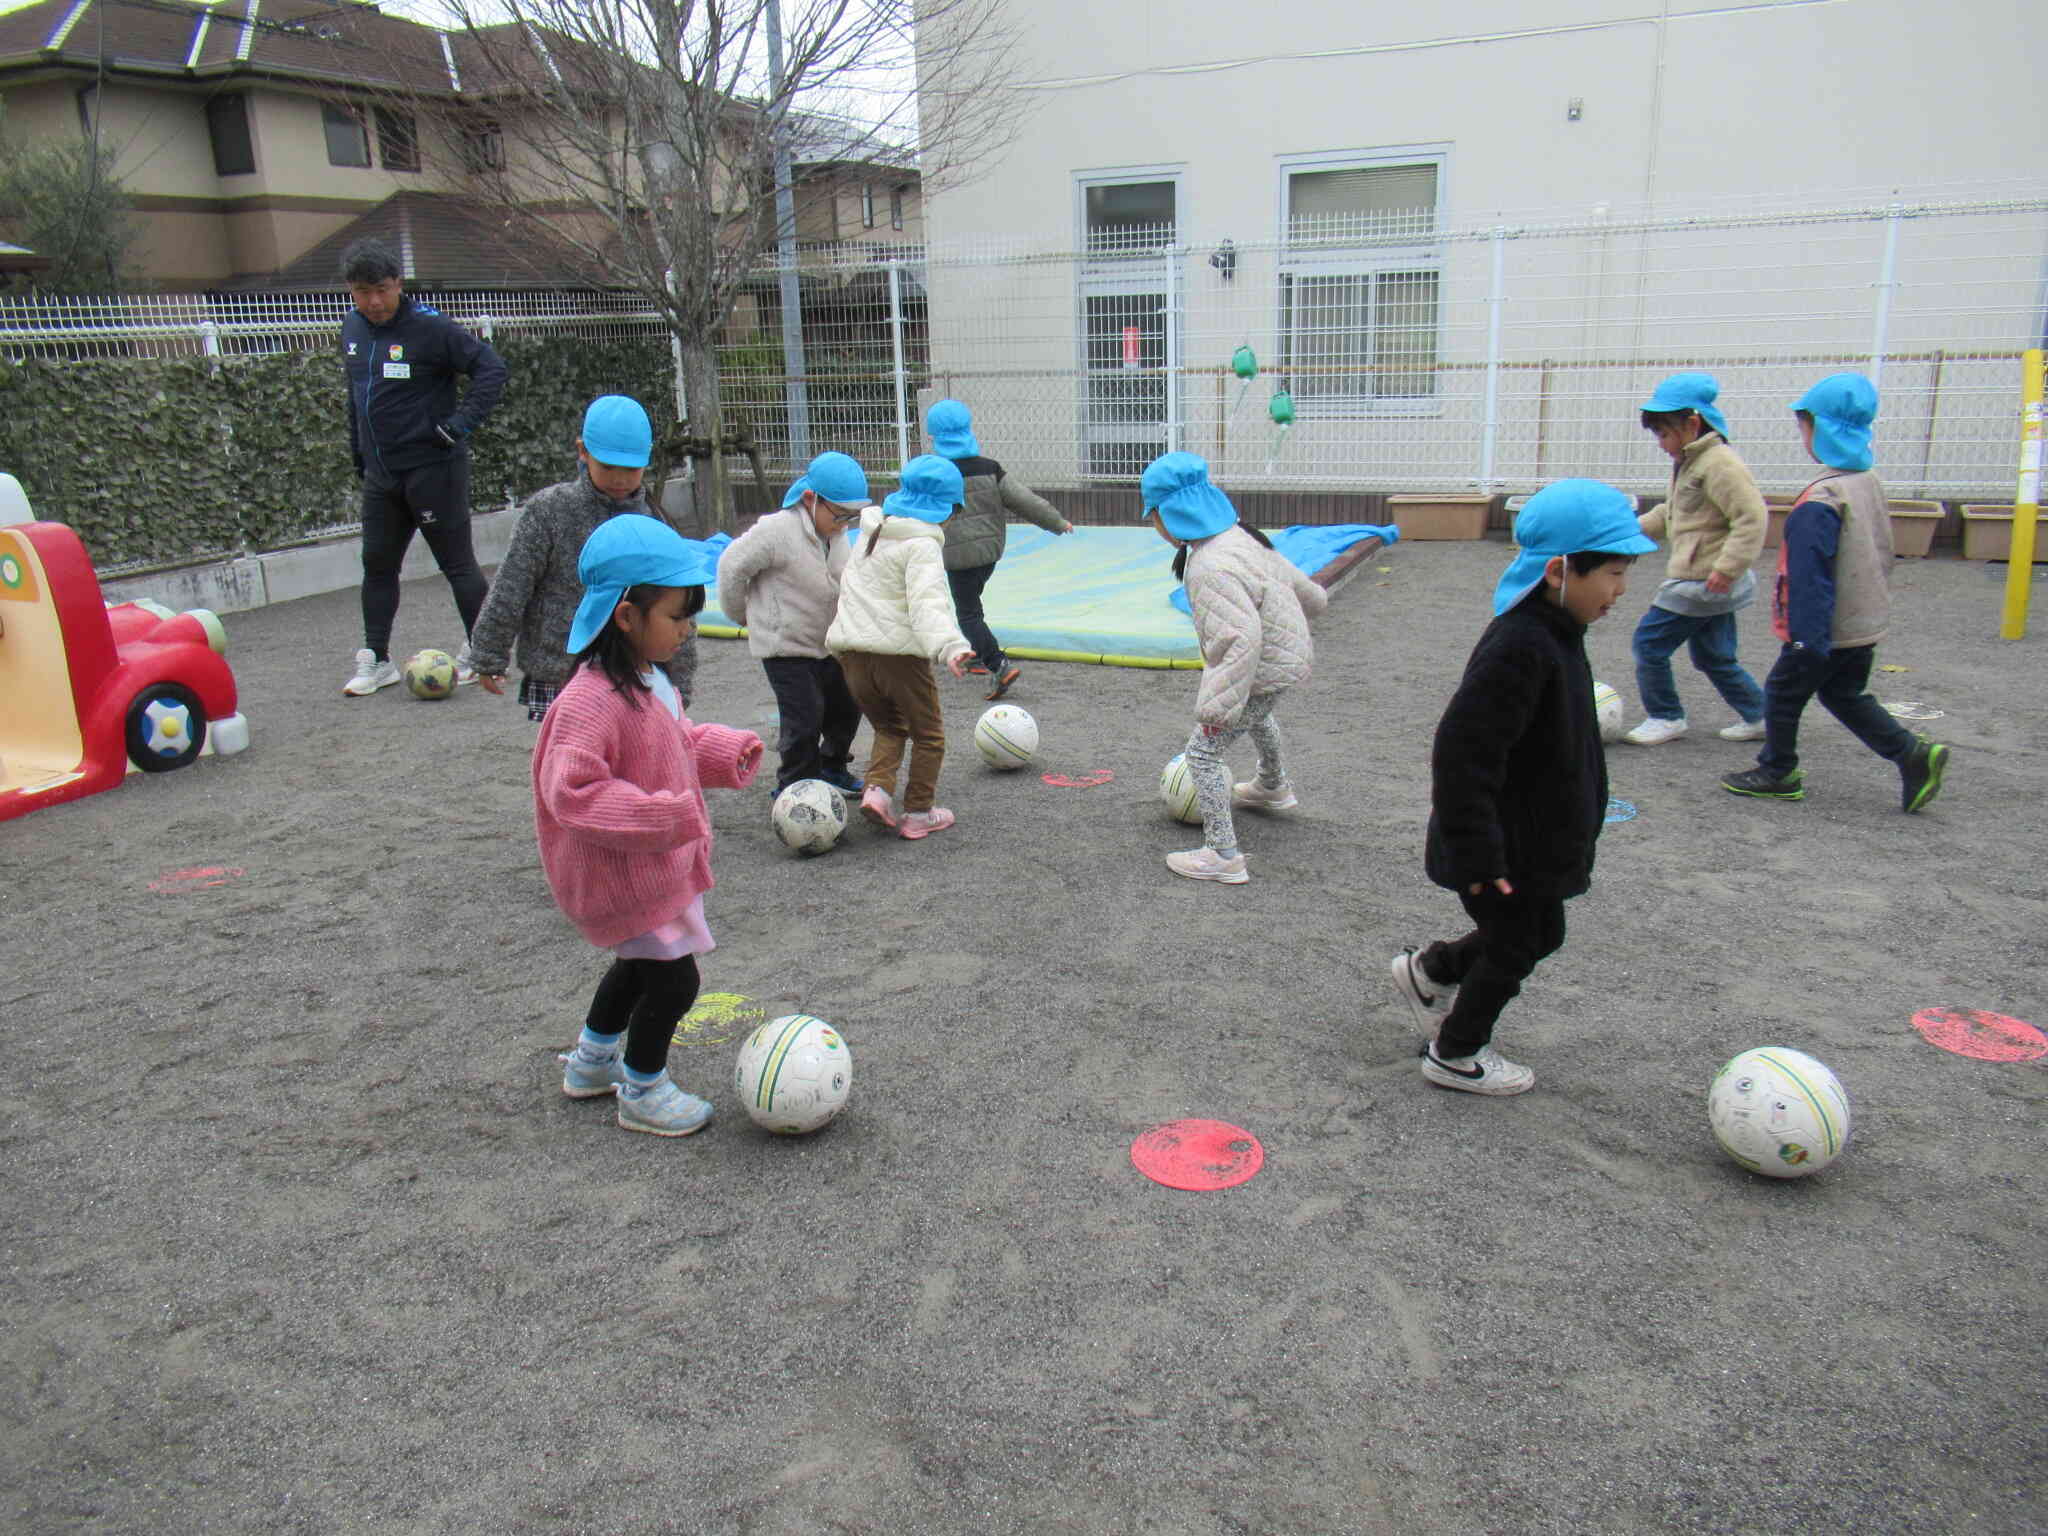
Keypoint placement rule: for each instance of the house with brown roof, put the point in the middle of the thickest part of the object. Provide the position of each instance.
(256, 137)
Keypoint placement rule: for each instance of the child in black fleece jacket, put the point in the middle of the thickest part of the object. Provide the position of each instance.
(1519, 780)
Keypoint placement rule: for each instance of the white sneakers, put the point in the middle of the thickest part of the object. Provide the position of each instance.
(1254, 796)
(371, 674)
(1654, 732)
(1208, 864)
(1485, 1071)
(465, 671)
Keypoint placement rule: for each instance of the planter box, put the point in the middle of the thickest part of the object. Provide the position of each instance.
(1987, 533)
(1913, 527)
(1439, 517)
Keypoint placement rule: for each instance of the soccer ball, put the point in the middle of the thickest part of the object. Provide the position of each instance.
(1006, 736)
(793, 1074)
(809, 816)
(430, 674)
(1177, 789)
(1779, 1112)
(1607, 709)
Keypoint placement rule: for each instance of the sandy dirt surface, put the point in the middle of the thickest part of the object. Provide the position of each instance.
(302, 1236)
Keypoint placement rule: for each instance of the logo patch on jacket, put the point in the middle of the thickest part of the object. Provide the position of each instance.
(397, 353)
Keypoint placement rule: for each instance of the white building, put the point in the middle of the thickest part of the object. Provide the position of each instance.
(1467, 241)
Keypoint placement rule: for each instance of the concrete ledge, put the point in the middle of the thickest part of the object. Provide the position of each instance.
(255, 581)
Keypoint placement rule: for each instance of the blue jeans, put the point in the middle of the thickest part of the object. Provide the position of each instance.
(1711, 640)
(1841, 681)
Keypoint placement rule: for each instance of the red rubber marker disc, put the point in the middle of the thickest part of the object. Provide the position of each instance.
(1089, 780)
(1198, 1154)
(1986, 1036)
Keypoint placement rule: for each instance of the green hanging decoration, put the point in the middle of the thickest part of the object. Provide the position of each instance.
(1281, 409)
(1245, 364)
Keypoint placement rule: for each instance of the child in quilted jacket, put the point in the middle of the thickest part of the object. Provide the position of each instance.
(1251, 609)
(895, 619)
(618, 803)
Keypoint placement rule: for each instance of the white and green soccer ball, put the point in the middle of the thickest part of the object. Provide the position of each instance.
(1177, 789)
(793, 1074)
(1778, 1112)
(1006, 736)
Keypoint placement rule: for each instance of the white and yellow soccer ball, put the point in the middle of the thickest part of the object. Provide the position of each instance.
(429, 674)
(793, 1074)
(1607, 710)
(1006, 736)
(1779, 1112)
(1177, 789)
(809, 816)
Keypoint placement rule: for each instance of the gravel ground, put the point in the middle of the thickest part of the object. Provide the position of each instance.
(302, 1235)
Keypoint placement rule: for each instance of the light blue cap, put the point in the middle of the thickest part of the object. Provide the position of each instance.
(951, 426)
(1690, 392)
(616, 432)
(1843, 406)
(1564, 518)
(630, 551)
(1176, 486)
(833, 477)
(931, 489)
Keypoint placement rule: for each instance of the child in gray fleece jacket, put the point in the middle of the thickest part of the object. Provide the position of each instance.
(781, 580)
(533, 597)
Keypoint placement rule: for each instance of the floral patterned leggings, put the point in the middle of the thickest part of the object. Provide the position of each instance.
(1212, 777)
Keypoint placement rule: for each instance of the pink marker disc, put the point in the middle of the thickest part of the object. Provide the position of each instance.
(201, 878)
(1986, 1036)
(1198, 1154)
(1088, 780)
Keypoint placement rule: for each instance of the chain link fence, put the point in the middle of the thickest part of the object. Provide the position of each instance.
(1348, 356)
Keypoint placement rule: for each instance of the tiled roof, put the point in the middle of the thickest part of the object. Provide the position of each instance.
(442, 241)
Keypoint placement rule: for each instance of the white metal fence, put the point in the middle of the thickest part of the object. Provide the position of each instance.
(1416, 356)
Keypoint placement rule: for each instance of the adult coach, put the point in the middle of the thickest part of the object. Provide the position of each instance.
(409, 436)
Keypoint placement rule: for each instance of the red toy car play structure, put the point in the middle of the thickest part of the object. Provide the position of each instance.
(88, 691)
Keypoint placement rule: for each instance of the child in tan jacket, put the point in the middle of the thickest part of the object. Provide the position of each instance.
(1714, 523)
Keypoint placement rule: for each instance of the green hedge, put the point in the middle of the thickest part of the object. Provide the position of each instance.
(156, 460)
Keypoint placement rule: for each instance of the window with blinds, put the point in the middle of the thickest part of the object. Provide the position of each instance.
(1359, 286)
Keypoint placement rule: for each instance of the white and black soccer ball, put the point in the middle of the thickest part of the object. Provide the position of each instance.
(793, 1074)
(1177, 789)
(1006, 736)
(809, 816)
(1779, 1112)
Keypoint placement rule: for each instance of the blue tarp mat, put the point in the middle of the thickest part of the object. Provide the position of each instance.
(1106, 592)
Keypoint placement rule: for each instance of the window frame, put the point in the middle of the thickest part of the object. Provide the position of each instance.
(1371, 260)
(397, 126)
(896, 206)
(215, 107)
(483, 147)
(867, 205)
(332, 116)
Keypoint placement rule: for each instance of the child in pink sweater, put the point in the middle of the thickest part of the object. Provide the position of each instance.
(618, 804)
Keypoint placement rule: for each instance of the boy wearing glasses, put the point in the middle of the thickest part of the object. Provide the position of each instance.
(781, 580)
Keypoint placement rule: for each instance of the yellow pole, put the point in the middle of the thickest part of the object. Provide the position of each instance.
(2019, 569)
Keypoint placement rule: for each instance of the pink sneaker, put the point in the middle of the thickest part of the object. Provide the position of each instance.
(876, 805)
(924, 823)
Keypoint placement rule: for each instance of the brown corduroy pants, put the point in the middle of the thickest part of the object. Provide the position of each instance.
(900, 698)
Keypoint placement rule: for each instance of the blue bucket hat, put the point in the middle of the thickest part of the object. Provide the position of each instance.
(1176, 486)
(951, 426)
(832, 477)
(1843, 406)
(1564, 518)
(616, 432)
(631, 551)
(1690, 392)
(931, 487)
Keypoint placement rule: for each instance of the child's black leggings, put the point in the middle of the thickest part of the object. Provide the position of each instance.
(645, 999)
